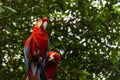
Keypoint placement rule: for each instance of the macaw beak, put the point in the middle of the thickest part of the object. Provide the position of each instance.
(45, 25)
(51, 59)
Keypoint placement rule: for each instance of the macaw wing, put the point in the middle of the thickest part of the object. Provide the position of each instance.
(33, 70)
(27, 52)
(31, 66)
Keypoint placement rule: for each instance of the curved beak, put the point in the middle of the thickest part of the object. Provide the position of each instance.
(45, 25)
(51, 58)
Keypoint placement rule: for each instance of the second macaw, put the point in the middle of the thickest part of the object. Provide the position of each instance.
(52, 62)
(35, 49)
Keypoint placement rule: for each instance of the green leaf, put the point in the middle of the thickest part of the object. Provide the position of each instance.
(9, 9)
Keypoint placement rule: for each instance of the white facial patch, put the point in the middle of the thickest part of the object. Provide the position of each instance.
(40, 23)
(45, 25)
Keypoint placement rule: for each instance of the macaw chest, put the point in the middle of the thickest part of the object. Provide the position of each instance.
(42, 43)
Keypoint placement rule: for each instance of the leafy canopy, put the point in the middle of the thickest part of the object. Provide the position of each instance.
(85, 33)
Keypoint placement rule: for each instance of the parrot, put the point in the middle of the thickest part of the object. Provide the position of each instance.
(36, 50)
(52, 61)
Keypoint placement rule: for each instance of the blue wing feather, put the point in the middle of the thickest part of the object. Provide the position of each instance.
(26, 50)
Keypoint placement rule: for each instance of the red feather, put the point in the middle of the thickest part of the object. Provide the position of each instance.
(51, 67)
(38, 39)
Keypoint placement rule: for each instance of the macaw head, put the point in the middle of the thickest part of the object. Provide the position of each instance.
(41, 23)
(53, 57)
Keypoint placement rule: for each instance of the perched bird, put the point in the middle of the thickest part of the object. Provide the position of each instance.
(52, 62)
(35, 49)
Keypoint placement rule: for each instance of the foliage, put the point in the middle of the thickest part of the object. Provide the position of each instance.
(85, 33)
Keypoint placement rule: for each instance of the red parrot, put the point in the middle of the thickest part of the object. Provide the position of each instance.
(35, 49)
(52, 62)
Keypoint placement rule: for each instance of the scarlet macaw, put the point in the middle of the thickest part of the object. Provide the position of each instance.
(35, 49)
(52, 62)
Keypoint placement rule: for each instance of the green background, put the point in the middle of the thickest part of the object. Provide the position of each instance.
(85, 32)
